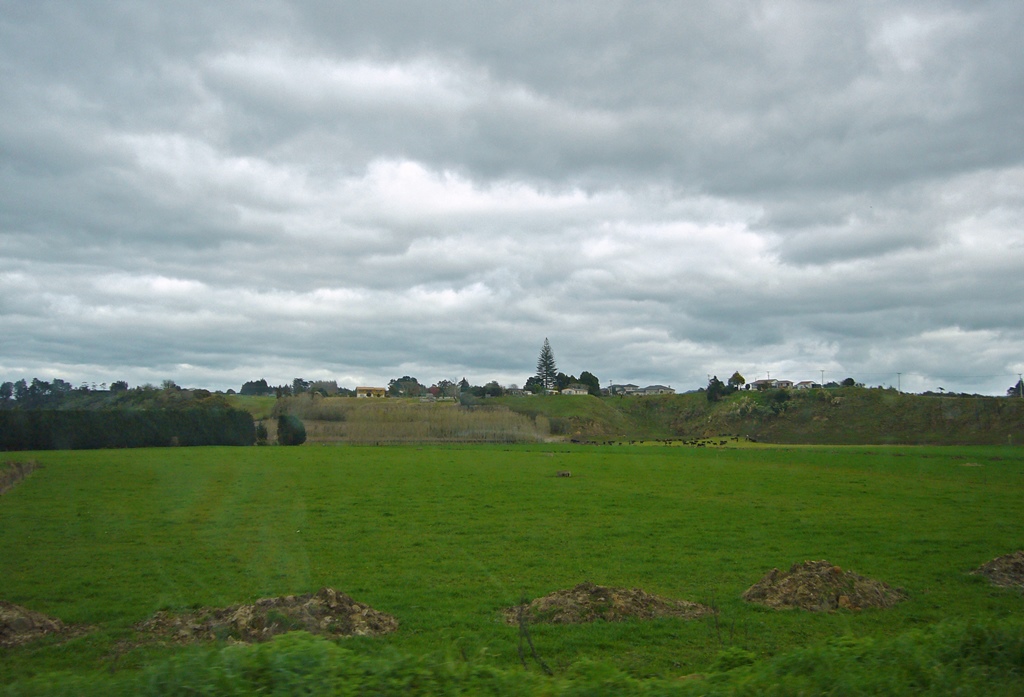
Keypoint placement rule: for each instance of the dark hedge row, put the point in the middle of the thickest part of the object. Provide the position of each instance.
(86, 430)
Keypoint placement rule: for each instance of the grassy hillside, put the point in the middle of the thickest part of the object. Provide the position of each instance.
(841, 416)
(578, 416)
(261, 407)
(393, 421)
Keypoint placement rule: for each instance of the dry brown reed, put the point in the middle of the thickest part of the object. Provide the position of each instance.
(407, 421)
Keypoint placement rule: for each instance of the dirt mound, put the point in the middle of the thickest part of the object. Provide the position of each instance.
(820, 586)
(19, 625)
(1006, 571)
(588, 602)
(324, 612)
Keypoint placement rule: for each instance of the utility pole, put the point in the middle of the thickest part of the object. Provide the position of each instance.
(822, 379)
(898, 385)
(1020, 385)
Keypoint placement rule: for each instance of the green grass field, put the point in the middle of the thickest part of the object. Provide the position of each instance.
(445, 537)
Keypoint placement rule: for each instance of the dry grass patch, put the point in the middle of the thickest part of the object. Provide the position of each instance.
(1006, 571)
(588, 602)
(820, 586)
(326, 612)
(13, 472)
(20, 625)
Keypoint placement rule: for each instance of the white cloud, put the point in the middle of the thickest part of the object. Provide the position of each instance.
(314, 82)
(665, 193)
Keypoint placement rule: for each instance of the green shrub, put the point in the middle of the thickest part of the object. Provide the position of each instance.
(732, 657)
(290, 430)
(956, 658)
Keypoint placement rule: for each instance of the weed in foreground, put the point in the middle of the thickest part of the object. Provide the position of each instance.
(952, 658)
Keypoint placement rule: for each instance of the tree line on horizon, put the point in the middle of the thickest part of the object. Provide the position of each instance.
(547, 379)
(60, 394)
(41, 394)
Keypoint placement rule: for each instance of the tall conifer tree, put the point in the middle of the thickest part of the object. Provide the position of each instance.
(547, 373)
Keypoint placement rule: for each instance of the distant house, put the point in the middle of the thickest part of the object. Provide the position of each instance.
(576, 389)
(806, 385)
(770, 384)
(656, 389)
(622, 389)
(373, 392)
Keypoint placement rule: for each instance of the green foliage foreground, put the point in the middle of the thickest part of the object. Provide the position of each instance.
(953, 658)
(444, 538)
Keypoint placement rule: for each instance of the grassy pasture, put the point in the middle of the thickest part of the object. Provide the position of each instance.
(444, 537)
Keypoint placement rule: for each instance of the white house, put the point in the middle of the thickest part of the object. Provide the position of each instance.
(656, 389)
(622, 389)
(576, 390)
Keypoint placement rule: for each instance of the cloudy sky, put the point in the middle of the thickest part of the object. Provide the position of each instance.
(215, 192)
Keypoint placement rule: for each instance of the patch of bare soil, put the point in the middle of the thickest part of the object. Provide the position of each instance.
(588, 602)
(820, 586)
(326, 612)
(19, 625)
(1006, 571)
(13, 472)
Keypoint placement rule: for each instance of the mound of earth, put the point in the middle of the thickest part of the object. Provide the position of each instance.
(324, 612)
(820, 586)
(19, 625)
(588, 602)
(1006, 571)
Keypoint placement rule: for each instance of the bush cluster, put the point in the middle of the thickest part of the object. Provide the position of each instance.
(290, 430)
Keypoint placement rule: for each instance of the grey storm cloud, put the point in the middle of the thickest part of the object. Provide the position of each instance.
(217, 192)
